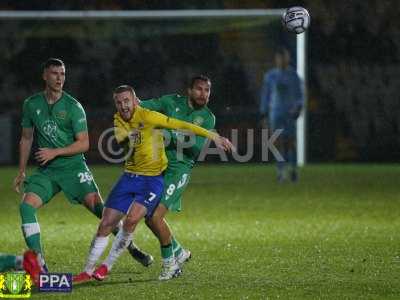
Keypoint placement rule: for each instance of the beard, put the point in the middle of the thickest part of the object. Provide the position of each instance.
(198, 103)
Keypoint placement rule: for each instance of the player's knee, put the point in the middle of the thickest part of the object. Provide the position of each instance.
(159, 212)
(92, 199)
(32, 200)
(130, 223)
(104, 229)
(132, 220)
(106, 226)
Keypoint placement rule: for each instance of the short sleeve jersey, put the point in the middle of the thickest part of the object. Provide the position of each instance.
(55, 125)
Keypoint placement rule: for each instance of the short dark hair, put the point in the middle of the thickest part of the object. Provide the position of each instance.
(53, 62)
(198, 78)
(124, 88)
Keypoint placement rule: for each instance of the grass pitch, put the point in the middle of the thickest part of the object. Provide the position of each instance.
(333, 235)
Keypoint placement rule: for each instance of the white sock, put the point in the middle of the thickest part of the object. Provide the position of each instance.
(120, 243)
(120, 224)
(97, 248)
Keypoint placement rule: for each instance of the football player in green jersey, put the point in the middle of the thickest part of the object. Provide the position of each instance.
(60, 124)
(193, 109)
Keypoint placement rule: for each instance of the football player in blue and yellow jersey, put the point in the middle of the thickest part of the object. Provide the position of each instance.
(139, 189)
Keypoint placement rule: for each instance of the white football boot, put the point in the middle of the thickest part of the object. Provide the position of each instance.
(183, 257)
(170, 269)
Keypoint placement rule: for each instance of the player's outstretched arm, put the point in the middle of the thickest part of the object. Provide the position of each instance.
(195, 149)
(25, 146)
(81, 145)
(163, 121)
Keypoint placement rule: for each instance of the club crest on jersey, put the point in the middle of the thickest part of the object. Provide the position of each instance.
(38, 111)
(61, 114)
(50, 129)
(198, 121)
(135, 137)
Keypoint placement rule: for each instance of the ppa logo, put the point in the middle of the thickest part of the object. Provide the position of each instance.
(55, 282)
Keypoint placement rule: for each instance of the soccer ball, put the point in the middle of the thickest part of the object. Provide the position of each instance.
(296, 19)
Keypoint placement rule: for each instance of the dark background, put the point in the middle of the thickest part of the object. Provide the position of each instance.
(353, 67)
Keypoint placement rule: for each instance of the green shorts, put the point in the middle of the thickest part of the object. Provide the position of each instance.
(76, 182)
(175, 183)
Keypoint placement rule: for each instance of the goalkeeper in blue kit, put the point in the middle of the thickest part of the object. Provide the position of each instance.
(281, 103)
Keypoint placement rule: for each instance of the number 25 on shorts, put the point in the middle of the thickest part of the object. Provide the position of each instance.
(85, 177)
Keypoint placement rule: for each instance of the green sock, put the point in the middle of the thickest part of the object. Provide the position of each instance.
(166, 251)
(7, 262)
(176, 247)
(30, 227)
